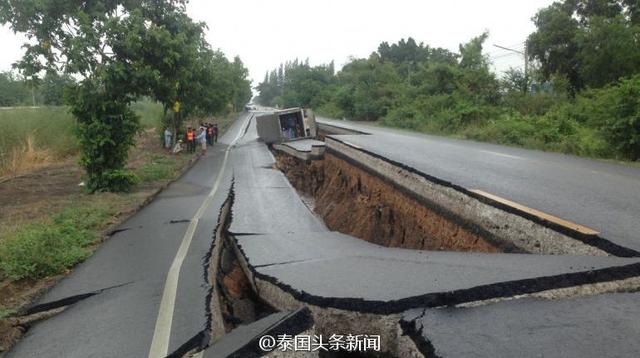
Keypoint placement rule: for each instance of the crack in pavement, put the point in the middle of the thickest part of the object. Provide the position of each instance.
(113, 232)
(179, 221)
(162, 331)
(69, 300)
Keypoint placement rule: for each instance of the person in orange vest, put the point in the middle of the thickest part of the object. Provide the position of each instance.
(191, 141)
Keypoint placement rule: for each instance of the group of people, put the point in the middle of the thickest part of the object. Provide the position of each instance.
(205, 135)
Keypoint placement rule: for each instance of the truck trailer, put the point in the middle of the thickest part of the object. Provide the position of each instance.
(286, 125)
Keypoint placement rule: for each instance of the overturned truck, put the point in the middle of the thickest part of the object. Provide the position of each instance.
(286, 125)
(292, 131)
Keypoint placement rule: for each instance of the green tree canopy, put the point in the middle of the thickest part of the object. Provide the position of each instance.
(589, 42)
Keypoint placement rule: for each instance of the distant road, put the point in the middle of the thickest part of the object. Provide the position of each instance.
(21, 107)
(601, 195)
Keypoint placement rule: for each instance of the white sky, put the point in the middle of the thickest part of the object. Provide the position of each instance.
(266, 33)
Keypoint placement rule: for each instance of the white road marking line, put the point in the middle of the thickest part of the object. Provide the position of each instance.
(501, 154)
(162, 332)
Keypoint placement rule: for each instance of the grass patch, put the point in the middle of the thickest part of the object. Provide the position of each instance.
(30, 133)
(150, 113)
(158, 167)
(51, 246)
(6, 312)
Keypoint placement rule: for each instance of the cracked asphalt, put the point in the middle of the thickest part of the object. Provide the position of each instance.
(599, 326)
(120, 322)
(601, 195)
(287, 246)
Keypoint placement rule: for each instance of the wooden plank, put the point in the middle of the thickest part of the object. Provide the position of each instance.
(537, 213)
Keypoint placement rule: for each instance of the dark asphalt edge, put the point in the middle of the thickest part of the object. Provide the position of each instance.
(199, 341)
(424, 346)
(204, 342)
(450, 298)
(294, 323)
(591, 240)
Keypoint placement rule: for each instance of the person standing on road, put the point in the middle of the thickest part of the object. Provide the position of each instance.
(215, 133)
(210, 133)
(202, 138)
(191, 144)
(167, 138)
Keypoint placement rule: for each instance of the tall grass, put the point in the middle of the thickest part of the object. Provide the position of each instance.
(150, 113)
(34, 133)
(30, 137)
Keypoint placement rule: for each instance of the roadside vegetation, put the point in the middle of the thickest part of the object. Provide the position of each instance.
(581, 94)
(49, 222)
(33, 137)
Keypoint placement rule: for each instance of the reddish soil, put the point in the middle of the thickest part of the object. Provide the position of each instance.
(359, 204)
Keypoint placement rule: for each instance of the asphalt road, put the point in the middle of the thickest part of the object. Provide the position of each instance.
(600, 326)
(286, 243)
(157, 264)
(152, 272)
(601, 195)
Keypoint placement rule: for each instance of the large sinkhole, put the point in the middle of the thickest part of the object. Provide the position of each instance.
(381, 206)
(356, 203)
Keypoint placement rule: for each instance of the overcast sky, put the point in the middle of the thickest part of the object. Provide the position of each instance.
(266, 33)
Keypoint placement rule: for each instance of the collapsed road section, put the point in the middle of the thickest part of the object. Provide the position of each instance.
(378, 286)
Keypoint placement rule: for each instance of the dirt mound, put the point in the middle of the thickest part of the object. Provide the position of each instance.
(357, 203)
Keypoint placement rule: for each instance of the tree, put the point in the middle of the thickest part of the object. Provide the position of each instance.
(242, 86)
(120, 50)
(52, 88)
(13, 90)
(589, 42)
(515, 80)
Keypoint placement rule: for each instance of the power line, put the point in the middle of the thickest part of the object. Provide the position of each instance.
(523, 53)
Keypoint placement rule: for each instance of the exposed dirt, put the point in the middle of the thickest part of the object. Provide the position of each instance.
(356, 203)
(240, 304)
(10, 333)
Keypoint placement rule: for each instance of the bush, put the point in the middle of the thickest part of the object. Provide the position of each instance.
(157, 168)
(118, 180)
(532, 103)
(330, 110)
(615, 110)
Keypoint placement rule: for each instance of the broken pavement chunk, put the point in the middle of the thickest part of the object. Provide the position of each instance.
(243, 341)
(599, 326)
